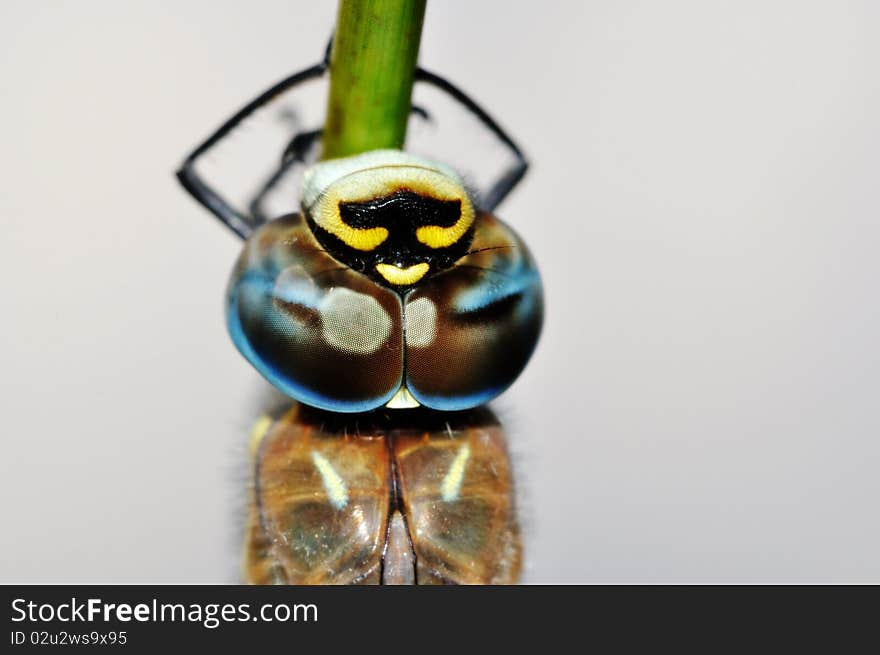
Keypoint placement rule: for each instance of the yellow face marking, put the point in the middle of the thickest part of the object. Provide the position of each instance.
(435, 236)
(403, 276)
(365, 239)
(334, 485)
(379, 174)
(451, 485)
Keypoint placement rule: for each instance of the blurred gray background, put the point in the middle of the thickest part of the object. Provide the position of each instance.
(704, 204)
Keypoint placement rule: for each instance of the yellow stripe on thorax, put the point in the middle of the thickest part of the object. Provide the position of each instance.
(258, 431)
(451, 485)
(334, 485)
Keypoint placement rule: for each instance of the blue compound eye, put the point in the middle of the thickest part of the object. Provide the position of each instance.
(471, 330)
(319, 331)
(398, 310)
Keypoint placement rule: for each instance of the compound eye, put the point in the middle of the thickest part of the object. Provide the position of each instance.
(321, 333)
(471, 331)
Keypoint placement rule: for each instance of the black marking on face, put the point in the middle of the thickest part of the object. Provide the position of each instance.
(402, 207)
(401, 213)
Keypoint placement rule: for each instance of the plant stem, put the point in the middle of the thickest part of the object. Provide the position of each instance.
(372, 66)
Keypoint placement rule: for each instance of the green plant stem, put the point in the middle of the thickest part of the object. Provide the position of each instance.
(372, 66)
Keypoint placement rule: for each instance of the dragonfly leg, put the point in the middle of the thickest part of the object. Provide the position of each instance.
(240, 223)
(295, 153)
(510, 177)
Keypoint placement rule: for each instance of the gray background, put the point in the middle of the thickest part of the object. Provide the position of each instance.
(704, 204)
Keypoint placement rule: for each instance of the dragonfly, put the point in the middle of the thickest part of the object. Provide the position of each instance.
(389, 309)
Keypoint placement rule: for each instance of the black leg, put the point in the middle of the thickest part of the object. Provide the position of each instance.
(295, 153)
(242, 224)
(509, 178)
